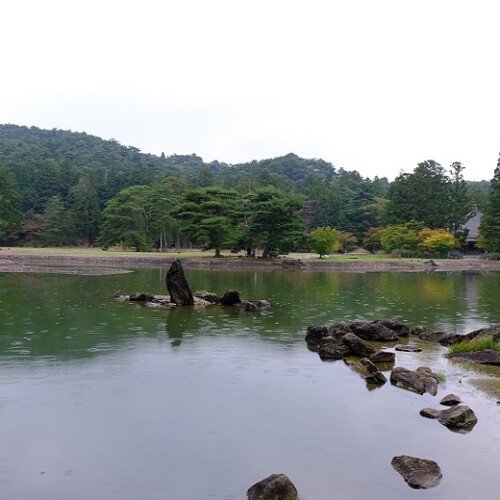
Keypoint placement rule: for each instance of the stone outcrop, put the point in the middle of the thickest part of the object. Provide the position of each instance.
(274, 487)
(357, 346)
(420, 381)
(177, 285)
(450, 400)
(331, 348)
(418, 472)
(382, 357)
(485, 357)
(458, 417)
(375, 330)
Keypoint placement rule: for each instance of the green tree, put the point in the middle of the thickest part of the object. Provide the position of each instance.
(401, 237)
(55, 222)
(325, 241)
(420, 196)
(126, 219)
(209, 217)
(84, 210)
(459, 200)
(10, 206)
(275, 224)
(489, 228)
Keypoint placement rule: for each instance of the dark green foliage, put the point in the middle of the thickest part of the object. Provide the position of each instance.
(209, 216)
(55, 222)
(420, 196)
(10, 206)
(459, 199)
(489, 228)
(126, 219)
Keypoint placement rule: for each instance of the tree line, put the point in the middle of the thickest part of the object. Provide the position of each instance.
(65, 188)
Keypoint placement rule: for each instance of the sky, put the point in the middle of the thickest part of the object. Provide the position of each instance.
(373, 86)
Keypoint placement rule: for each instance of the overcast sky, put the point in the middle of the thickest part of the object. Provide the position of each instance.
(371, 85)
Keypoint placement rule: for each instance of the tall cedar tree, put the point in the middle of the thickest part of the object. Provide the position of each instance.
(490, 223)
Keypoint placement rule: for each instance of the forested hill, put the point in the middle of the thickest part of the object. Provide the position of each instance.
(31, 153)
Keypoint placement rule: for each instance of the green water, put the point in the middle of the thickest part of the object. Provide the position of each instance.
(102, 399)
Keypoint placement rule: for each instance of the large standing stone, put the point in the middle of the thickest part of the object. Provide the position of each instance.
(274, 487)
(418, 472)
(177, 285)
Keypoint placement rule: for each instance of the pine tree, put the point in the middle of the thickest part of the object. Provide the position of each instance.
(10, 205)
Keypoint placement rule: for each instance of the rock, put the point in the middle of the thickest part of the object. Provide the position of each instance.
(407, 348)
(419, 381)
(418, 472)
(213, 298)
(430, 413)
(249, 306)
(458, 417)
(450, 400)
(368, 371)
(382, 357)
(401, 329)
(141, 297)
(422, 333)
(375, 330)
(230, 298)
(177, 285)
(315, 334)
(357, 346)
(274, 487)
(338, 329)
(331, 348)
(263, 303)
(485, 357)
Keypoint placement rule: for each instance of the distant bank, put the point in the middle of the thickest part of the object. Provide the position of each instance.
(97, 262)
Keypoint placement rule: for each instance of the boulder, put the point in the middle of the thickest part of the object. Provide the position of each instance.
(401, 329)
(263, 303)
(382, 357)
(458, 417)
(331, 348)
(141, 297)
(368, 371)
(423, 333)
(230, 298)
(357, 346)
(338, 329)
(450, 400)
(177, 285)
(420, 381)
(315, 334)
(375, 330)
(274, 487)
(418, 472)
(430, 413)
(213, 298)
(407, 348)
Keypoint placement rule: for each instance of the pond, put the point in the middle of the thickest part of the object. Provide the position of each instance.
(103, 399)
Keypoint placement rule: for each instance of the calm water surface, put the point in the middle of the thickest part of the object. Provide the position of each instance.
(101, 399)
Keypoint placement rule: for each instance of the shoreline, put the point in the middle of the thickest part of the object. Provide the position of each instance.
(91, 263)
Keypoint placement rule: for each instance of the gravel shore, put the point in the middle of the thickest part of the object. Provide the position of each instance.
(85, 263)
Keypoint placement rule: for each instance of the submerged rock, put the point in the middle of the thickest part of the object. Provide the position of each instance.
(274, 487)
(368, 371)
(382, 357)
(407, 348)
(420, 381)
(418, 472)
